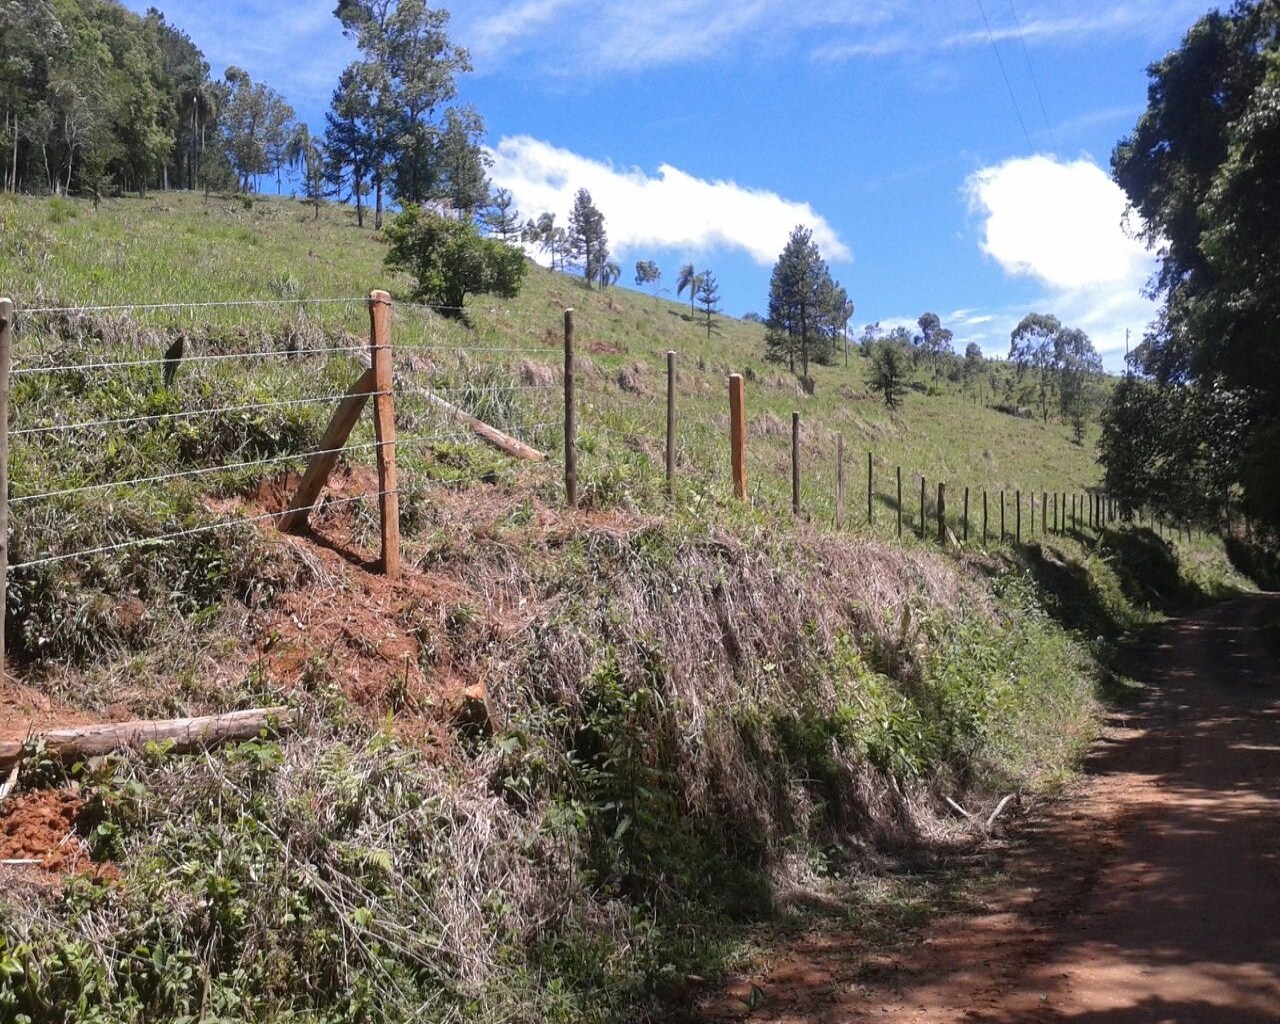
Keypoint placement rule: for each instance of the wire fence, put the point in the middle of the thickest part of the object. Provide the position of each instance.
(143, 398)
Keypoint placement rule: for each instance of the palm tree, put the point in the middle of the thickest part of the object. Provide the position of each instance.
(200, 99)
(691, 279)
(303, 153)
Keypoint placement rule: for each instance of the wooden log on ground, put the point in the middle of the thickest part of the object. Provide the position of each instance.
(489, 435)
(85, 741)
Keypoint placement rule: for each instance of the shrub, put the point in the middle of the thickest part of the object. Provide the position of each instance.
(449, 260)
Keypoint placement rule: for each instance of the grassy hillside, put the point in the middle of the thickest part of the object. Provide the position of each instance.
(570, 762)
(183, 248)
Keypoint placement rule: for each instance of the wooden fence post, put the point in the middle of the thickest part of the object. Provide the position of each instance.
(840, 480)
(671, 425)
(942, 513)
(384, 429)
(985, 531)
(1002, 529)
(1031, 507)
(870, 521)
(922, 506)
(6, 353)
(1044, 513)
(738, 435)
(795, 463)
(570, 415)
(966, 515)
(1075, 515)
(899, 503)
(1017, 516)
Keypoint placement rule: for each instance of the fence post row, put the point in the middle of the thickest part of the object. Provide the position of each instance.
(671, 424)
(570, 415)
(6, 349)
(738, 435)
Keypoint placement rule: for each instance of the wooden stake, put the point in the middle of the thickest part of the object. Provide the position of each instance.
(671, 425)
(870, 492)
(899, 503)
(6, 353)
(839, 480)
(1044, 513)
(966, 515)
(1031, 506)
(942, 513)
(985, 531)
(795, 463)
(384, 430)
(1017, 517)
(570, 415)
(922, 507)
(1002, 529)
(738, 435)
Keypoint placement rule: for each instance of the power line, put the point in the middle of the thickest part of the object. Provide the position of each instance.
(1035, 82)
(1005, 74)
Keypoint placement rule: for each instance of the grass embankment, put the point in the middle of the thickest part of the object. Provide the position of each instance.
(697, 717)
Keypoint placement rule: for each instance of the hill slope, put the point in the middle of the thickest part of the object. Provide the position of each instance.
(572, 758)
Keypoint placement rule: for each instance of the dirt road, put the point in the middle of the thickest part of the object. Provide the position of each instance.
(1150, 897)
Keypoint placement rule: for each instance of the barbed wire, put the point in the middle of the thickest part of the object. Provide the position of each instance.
(51, 428)
(226, 304)
(504, 350)
(191, 473)
(319, 504)
(217, 357)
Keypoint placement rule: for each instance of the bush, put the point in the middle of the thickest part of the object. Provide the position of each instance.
(450, 260)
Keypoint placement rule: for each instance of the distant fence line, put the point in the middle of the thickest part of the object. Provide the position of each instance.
(391, 386)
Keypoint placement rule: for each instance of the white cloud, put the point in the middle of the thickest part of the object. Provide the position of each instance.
(573, 37)
(1064, 226)
(668, 210)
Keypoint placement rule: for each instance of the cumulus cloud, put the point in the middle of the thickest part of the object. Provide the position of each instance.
(1064, 225)
(670, 209)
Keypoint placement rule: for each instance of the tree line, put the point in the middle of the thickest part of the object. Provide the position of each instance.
(1196, 424)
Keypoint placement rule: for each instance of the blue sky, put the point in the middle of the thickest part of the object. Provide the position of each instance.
(950, 155)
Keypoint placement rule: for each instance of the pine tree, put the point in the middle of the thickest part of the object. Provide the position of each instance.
(588, 242)
(709, 301)
(806, 307)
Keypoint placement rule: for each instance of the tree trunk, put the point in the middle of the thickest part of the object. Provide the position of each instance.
(377, 210)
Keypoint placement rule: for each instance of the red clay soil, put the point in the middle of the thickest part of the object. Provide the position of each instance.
(1150, 896)
(24, 710)
(41, 826)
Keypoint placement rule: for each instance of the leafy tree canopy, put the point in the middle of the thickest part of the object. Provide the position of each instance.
(450, 260)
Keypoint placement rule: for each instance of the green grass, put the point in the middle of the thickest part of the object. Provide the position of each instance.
(700, 707)
(182, 248)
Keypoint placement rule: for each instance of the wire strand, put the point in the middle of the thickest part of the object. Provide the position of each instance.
(228, 304)
(160, 360)
(51, 428)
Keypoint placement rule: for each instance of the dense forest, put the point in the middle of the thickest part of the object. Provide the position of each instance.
(97, 99)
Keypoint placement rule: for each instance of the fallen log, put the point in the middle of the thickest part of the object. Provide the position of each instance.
(490, 435)
(85, 741)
